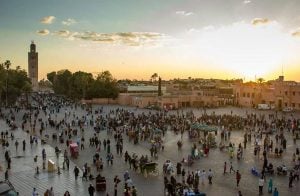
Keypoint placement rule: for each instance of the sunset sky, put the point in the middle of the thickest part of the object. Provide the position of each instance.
(174, 38)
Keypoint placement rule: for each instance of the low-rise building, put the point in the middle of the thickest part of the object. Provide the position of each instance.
(277, 93)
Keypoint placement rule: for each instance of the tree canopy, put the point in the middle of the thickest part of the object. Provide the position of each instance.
(13, 82)
(80, 84)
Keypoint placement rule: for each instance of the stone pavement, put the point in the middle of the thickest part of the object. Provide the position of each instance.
(23, 174)
(24, 179)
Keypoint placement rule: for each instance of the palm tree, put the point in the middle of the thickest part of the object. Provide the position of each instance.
(154, 76)
(7, 64)
(260, 80)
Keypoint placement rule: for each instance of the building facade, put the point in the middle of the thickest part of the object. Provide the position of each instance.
(278, 94)
(33, 66)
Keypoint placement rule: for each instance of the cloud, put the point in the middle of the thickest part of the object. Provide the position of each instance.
(260, 21)
(184, 13)
(48, 20)
(62, 33)
(296, 33)
(208, 28)
(125, 38)
(69, 21)
(247, 2)
(43, 32)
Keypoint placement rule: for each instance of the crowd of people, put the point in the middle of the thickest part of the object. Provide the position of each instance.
(268, 134)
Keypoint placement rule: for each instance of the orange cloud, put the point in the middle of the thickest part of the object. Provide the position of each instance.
(260, 21)
(296, 33)
(48, 20)
(43, 32)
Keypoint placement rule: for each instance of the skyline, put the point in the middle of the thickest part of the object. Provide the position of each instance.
(174, 38)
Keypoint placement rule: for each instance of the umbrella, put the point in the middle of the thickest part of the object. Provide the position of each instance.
(157, 130)
(199, 126)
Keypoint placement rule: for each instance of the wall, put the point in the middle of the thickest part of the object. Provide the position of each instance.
(101, 101)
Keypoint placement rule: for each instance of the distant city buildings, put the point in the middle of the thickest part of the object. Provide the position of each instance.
(278, 94)
(177, 93)
(33, 66)
(180, 93)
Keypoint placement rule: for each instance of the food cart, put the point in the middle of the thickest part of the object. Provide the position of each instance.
(74, 150)
(100, 183)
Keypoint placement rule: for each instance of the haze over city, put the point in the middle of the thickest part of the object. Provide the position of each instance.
(175, 38)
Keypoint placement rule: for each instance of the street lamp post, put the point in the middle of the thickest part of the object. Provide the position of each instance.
(1, 65)
(7, 64)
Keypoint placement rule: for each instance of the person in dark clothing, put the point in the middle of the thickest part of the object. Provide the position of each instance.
(238, 178)
(116, 182)
(76, 172)
(6, 174)
(24, 145)
(291, 178)
(91, 190)
(8, 163)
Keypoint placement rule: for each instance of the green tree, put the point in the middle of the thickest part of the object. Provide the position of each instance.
(79, 82)
(61, 82)
(51, 76)
(26, 89)
(13, 82)
(45, 84)
(105, 86)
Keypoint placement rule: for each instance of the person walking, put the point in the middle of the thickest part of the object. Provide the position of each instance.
(116, 182)
(16, 144)
(275, 192)
(238, 178)
(261, 182)
(46, 192)
(210, 175)
(270, 186)
(203, 176)
(24, 145)
(9, 163)
(291, 178)
(44, 154)
(6, 174)
(76, 172)
(91, 190)
(51, 191)
(231, 168)
(133, 191)
(225, 167)
(34, 192)
(67, 163)
(84, 173)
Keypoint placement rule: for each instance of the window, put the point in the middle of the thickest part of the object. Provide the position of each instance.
(293, 104)
(286, 104)
(286, 93)
(248, 94)
(294, 93)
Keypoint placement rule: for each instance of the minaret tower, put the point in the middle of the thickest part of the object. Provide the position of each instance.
(33, 66)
